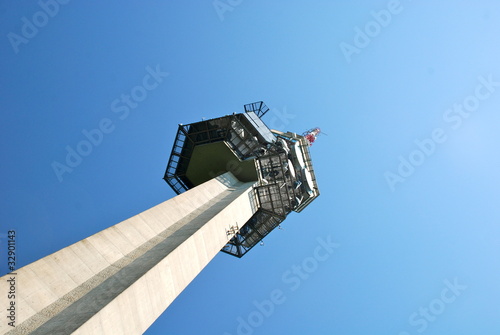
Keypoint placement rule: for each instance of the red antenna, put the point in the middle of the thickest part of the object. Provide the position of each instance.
(311, 135)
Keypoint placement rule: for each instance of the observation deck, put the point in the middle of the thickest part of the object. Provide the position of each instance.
(278, 162)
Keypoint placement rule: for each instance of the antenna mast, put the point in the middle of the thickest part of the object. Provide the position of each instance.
(311, 135)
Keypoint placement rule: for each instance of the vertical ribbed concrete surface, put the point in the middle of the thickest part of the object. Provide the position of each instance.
(121, 279)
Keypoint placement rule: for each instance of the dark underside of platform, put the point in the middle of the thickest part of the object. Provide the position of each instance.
(213, 159)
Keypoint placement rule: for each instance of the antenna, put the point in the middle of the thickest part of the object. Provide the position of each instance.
(311, 135)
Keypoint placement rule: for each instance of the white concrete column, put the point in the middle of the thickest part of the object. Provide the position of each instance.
(121, 279)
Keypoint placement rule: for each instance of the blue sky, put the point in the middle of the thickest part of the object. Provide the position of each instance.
(408, 93)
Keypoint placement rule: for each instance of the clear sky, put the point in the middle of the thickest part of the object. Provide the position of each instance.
(408, 93)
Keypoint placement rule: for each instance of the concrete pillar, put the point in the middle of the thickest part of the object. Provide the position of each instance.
(121, 279)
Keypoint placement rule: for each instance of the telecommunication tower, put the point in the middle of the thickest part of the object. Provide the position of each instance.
(236, 181)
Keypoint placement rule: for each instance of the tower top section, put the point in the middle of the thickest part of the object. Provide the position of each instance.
(278, 162)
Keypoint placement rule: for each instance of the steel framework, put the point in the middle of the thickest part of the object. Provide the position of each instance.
(282, 185)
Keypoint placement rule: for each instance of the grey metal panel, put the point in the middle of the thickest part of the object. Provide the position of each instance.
(263, 130)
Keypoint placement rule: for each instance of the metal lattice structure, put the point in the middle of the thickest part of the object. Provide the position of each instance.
(259, 108)
(279, 163)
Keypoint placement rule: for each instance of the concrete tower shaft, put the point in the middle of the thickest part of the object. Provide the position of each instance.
(121, 279)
